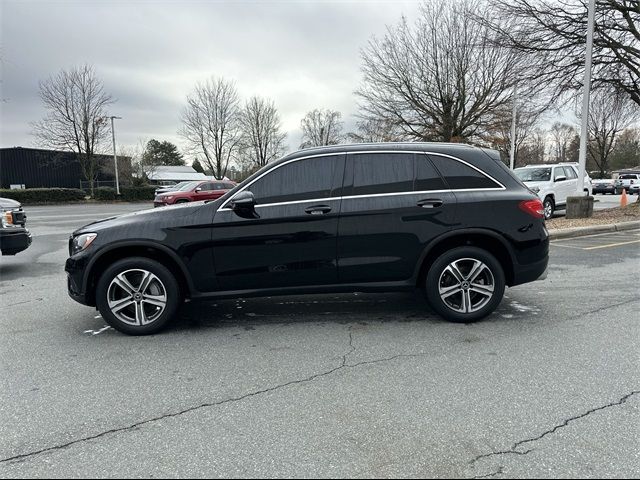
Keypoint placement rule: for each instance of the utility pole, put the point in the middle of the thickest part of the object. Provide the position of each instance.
(115, 158)
(582, 158)
(512, 153)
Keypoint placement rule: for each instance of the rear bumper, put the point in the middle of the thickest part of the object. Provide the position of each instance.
(14, 240)
(531, 272)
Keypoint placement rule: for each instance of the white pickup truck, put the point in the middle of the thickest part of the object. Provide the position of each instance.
(625, 181)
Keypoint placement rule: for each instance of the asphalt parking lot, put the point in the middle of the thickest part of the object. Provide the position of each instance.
(324, 386)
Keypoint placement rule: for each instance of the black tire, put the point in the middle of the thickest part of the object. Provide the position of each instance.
(182, 201)
(164, 283)
(437, 274)
(549, 208)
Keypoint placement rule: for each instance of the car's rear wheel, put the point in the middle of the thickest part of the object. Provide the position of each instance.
(549, 208)
(465, 284)
(137, 296)
(182, 201)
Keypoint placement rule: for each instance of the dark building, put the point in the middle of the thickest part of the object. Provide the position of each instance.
(37, 168)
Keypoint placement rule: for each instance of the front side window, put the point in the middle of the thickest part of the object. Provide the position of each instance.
(460, 176)
(375, 173)
(557, 173)
(570, 173)
(299, 180)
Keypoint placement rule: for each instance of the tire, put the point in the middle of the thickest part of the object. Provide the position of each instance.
(549, 208)
(138, 313)
(441, 280)
(182, 201)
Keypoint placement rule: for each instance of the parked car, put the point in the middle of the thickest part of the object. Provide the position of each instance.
(553, 184)
(634, 189)
(604, 185)
(170, 188)
(449, 219)
(625, 181)
(14, 235)
(194, 192)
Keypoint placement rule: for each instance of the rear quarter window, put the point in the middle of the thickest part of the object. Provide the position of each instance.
(460, 176)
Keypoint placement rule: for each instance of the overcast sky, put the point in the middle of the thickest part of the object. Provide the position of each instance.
(150, 54)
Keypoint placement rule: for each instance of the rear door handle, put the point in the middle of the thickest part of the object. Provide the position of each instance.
(318, 209)
(430, 203)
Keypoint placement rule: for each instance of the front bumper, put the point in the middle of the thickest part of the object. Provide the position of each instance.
(14, 240)
(75, 268)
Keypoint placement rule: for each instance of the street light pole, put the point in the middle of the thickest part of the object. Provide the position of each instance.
(582, 158)
(512, 153)
(115, 158)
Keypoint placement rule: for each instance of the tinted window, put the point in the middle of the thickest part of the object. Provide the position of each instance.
(205, 187)
(382, 173)
(427, 177)
(570, 173)
(459, 176)
(188, 187)
(229, 186)
(219, 186)
(300, 180)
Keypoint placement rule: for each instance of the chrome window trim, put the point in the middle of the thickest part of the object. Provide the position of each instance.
(223, 207)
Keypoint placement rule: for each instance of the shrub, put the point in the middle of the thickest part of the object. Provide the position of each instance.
(136, 194)
(104, 193)
(45, 195)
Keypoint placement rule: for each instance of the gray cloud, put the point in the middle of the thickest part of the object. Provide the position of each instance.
(150, 54)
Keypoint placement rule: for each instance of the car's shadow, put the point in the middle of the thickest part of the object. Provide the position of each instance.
(336, 308)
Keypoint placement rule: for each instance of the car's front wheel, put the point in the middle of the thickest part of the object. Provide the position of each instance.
(137, 296)
(465, 284)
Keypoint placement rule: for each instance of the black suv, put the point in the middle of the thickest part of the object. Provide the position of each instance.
(447, 218)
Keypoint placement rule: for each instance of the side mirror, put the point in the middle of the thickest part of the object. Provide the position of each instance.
(561, 178)
(243, 204)
(198, 190)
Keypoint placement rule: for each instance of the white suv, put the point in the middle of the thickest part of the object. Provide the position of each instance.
(553, 184)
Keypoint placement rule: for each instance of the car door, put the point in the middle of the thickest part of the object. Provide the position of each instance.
(561, 187)
(572, 181)
(204, 191)
(292, 242)
(393, 204)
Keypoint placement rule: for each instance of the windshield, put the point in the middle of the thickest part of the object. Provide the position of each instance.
(188, 186)
(534, 174)
(627, 177)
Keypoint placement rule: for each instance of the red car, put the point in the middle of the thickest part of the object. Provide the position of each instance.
(194, 192)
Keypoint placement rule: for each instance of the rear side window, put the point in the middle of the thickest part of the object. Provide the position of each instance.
(427, 177)
(300, 180)
(461, 176)
(375, 173)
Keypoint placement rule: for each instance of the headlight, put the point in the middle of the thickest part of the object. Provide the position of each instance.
(82, 241)
(7, 219)
(168, 197)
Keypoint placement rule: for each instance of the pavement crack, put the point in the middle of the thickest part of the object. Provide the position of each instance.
(514, 450)
(493, 474)
(131, 427)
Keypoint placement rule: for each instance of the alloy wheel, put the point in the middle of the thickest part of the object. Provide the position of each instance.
(137, 297)
(466, 285)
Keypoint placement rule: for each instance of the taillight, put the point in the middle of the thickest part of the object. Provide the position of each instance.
(532, 207)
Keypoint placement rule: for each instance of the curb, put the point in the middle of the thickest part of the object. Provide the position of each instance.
(582, 231)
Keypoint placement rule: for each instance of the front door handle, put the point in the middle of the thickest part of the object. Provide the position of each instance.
(430, 203)
(318, 209)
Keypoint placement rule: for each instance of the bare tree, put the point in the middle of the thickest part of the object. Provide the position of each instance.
(321, 127)
(262, 138)
(610, 113)
(372, 130)
(211, 123)
(551, 35)
(562, 137)
(443, 79)
(498, 133)
(533, 149)
(76, 105)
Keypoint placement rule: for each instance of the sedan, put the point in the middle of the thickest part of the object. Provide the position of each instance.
(604, 185)
(194, 192)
